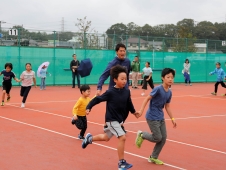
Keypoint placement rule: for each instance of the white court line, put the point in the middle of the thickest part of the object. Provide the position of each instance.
(126, 130)
(209, 97)
(62, 134)
(65, 101)
(183, 118)
(57, 101)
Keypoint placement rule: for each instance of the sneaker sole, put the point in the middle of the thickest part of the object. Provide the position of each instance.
(154, 162)
(138, 132)
(126, 167)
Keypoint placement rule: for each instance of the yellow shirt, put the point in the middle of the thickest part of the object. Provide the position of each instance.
(80, 106)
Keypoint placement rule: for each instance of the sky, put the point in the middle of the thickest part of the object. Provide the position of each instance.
(47, 14)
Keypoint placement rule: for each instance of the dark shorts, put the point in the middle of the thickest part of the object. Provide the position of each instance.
(7, 87)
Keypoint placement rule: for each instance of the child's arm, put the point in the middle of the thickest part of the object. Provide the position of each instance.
(76, 106)
(149, 76)
(169, 112)
(96, 100)
(213, 72)
(17, 80)
(146, 100)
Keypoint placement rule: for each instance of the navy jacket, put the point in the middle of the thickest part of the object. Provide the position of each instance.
(106, 73)
(119, 104)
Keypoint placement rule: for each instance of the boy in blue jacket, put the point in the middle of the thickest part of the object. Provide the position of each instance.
(119, 103)
(220, 77)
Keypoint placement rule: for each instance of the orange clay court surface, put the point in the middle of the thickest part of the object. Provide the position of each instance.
(41, 137)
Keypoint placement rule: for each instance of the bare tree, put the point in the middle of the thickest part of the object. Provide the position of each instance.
(85, 35)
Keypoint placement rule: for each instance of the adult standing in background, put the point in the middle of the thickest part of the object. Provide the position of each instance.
(74, 66)
(135, 71)
(120, 59)
(186, 72)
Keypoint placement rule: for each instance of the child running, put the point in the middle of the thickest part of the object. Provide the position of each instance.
(79, 111)
(119, 103)
(159, 98)
(220, 77)
(43, 73)
(7, 81)
(147, 71)
(27, 77)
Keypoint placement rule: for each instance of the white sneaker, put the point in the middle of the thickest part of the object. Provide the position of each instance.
(142, 94)
(190, 84)
(23, 105)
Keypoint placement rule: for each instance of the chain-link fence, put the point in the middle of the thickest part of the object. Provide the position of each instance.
(20, 46)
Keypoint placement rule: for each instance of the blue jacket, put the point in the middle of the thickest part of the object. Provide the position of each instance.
(220, 74)
(106, 73)
(119, 104)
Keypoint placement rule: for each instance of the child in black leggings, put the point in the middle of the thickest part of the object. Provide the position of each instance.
(147, 71)
(220, 77)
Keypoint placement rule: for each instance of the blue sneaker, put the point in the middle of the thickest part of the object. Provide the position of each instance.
(123, 165)
(87, 140)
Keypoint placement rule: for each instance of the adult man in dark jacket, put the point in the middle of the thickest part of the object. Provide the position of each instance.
(74, 66)
(120, 59)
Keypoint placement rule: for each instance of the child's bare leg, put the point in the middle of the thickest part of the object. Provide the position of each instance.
(3, 95)
(101, 137)
(121, 146)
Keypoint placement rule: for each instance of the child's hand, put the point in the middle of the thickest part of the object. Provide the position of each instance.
(87, 111)
(174, 123)
(138, 114)
(75, 117)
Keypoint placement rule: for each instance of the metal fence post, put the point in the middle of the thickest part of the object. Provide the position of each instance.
(18, 44)
(206, 58)
(54, 57)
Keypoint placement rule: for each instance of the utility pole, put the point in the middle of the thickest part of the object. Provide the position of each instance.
(62, 25)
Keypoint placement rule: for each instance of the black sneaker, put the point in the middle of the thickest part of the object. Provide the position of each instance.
(87, 141)
(8, 99)
(123, 165)
(136, 87)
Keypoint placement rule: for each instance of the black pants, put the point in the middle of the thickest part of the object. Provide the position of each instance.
(75, 74)
(217, 83)
(24, 91)
(81, 124)
(187, 81)
(145, 82)
(7, 87)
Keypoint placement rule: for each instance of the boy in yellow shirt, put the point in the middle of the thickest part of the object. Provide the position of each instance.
(79, 111)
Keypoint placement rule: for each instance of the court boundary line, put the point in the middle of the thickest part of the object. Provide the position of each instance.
(62, 134)
(216, 97)
(183, 118)
(196, 146)
(64, 101)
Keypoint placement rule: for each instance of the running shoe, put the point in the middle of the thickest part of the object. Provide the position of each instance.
(8, 99)
(155, 161)
(123, 165)
(214, 93)
(2, 103)
(87, 140)
(139, 140)
(81, 137)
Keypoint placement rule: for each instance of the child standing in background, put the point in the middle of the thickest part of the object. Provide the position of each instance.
(43, 73)
(7, 81)
(27, 77)
(220, 77)
(147, 71)
(186, 72)
(79, 111)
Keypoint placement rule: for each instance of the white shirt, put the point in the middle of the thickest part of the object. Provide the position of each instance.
(147, 71)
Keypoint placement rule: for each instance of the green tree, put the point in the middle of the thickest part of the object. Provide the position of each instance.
(206, 30)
